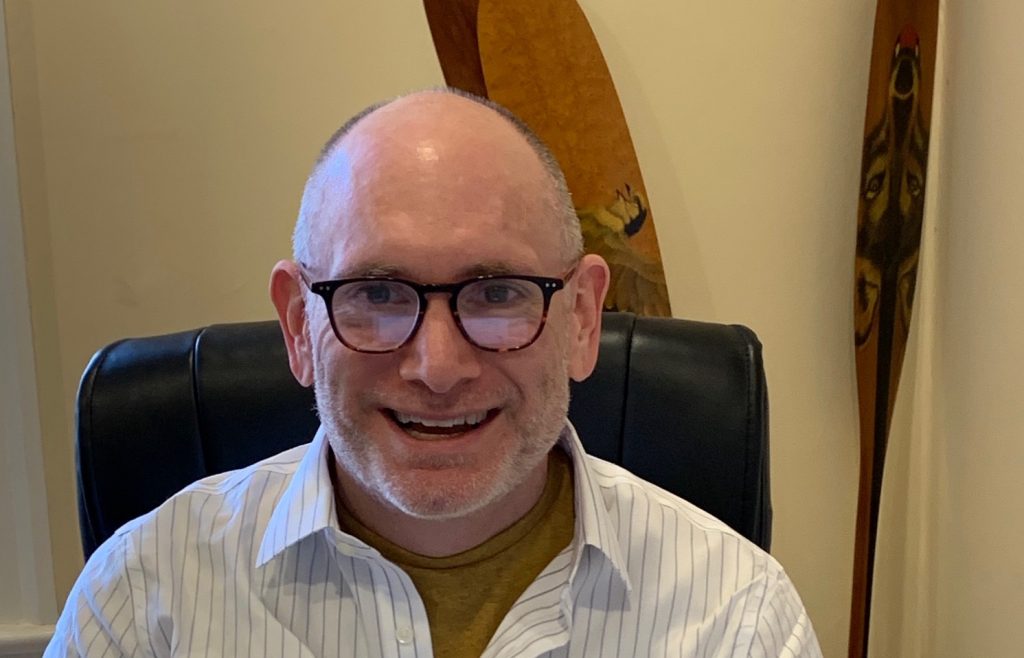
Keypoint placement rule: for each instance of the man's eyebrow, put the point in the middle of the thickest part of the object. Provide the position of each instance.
(381, 270)
(491, 269)
(495, 268)
(370, 269)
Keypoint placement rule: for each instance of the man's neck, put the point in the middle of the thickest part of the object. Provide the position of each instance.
(438, 537)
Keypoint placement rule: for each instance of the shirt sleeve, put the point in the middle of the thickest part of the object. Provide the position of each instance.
(99, 616)
(782, 628)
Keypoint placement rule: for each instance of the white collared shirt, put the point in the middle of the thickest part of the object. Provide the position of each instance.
(253, 563)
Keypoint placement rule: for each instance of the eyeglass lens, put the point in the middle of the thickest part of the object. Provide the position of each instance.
(497, 314)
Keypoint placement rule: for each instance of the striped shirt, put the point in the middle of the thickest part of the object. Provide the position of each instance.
(253, 563)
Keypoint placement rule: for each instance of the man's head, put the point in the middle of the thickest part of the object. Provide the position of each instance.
(562, 210)
(434, 188)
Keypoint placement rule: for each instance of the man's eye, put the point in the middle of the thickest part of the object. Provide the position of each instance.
(494, 294)
(504, 293)
(498, 294)
(378, 295)
(374, 293)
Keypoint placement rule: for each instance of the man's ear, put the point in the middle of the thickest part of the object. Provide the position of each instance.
(286, 293)
(592, 278)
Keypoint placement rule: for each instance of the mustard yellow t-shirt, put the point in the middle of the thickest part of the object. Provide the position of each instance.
(468, 594)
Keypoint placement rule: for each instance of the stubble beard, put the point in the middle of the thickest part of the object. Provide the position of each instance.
(462, 492)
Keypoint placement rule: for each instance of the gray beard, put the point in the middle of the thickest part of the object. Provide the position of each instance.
(356, 454)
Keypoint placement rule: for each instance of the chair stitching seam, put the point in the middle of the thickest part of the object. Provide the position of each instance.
(92, 507)
(628, 375)
(193, 358)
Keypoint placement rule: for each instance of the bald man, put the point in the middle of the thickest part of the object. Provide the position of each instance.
(438, 302)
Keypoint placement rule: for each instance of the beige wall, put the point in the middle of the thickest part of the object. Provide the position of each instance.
(27, 595)
(978, 458)
(162, 148)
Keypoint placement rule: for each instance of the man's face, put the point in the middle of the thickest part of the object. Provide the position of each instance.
(439, 207)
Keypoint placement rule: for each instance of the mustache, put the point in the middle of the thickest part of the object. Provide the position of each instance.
(413, 396)
(428, 401)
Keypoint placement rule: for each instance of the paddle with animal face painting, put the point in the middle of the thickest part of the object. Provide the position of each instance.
(889, 221)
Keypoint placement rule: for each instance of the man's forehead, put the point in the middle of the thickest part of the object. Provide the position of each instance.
(433, 245)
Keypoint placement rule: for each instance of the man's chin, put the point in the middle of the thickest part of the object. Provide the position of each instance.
(437, 510)
(444, 494)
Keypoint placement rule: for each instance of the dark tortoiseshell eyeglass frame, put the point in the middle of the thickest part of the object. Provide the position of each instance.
(547, 285)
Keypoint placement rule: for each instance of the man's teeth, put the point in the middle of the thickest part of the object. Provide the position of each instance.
(472, 419)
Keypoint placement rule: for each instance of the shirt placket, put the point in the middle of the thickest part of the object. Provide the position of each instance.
(538, 624)
(411, 628)
(390, 609)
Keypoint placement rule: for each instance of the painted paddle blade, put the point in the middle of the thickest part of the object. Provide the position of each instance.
(889, 218)
(453, 30)
(541, 60)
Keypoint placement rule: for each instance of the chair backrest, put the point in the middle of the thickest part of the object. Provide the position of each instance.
(682, 404)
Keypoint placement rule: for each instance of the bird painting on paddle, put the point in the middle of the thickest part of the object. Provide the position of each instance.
(638, 280)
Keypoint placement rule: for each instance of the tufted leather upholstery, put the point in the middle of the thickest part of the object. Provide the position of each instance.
(682, 404)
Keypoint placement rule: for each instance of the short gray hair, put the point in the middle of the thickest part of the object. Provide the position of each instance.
(572, 238)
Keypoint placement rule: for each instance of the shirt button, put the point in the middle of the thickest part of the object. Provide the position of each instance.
(404, 635)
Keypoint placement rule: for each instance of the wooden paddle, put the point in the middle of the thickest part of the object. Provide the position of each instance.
(540, 59)
(453, 29)
(889, 216)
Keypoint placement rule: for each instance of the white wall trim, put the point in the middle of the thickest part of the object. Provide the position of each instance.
(27, 597)
(24, 639)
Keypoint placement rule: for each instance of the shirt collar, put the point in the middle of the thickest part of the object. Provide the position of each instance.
(306, 506)
(594, 525)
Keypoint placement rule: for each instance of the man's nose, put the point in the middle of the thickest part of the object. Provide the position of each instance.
(439, 355)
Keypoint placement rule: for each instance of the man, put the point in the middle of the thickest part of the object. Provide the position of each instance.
(438, 303)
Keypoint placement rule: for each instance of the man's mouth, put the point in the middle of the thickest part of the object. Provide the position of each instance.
(441, 425)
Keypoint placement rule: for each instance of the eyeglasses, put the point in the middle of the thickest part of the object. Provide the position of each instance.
(497, 313)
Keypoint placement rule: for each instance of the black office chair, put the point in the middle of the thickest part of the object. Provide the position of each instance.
(682, 404)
